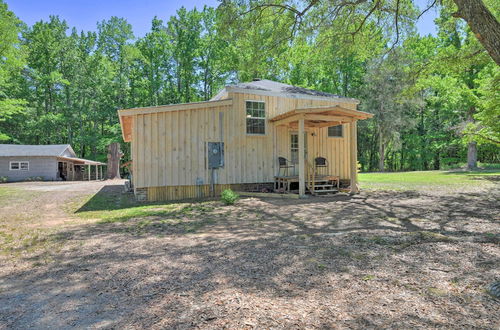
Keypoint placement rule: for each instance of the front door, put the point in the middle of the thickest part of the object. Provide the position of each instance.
(294, 149)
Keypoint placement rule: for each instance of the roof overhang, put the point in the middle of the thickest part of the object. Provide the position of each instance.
(126, 116)
(80, 161)
(321, 116)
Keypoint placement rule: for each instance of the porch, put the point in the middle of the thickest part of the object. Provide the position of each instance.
(312, 174)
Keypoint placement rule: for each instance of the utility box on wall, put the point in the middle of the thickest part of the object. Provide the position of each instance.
(215, 154)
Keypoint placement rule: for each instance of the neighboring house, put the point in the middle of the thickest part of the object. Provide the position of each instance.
(46, 162)
(253, 134)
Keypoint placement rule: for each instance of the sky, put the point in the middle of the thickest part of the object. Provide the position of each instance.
(84, 14)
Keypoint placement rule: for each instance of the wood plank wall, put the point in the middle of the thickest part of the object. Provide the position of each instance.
(168, 149)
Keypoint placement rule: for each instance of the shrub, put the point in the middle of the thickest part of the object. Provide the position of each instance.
(229, 197)
(3, 179)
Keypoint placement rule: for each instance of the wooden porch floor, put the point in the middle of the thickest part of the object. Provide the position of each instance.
(320, 184)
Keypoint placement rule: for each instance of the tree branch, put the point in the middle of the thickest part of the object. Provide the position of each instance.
(427, 9)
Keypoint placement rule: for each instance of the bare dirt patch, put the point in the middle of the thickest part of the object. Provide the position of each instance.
(378, 259)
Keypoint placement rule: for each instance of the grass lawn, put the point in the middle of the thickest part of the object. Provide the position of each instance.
(426, 180)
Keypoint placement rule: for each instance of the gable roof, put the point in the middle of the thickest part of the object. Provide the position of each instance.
(23, 150)
(274, 88)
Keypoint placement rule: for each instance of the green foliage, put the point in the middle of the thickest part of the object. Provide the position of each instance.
(12, 60)
(431, 95)
(229, 197)
(34, 178)
(3, 179)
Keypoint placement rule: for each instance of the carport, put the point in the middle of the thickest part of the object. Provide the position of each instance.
(74, 169)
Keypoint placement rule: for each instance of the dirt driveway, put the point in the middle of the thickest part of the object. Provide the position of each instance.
(375, 260)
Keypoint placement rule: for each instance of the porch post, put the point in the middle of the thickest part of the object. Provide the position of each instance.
(354, 157)
(101, 172)
(96, 173)
(302, 173)
(89, 171)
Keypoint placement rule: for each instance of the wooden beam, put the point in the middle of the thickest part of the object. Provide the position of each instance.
(354, 157)
(325, 117)
(302, 163)
(319, 108)
(333, 123)
(288, 120)
(338, 109)
(283, 116)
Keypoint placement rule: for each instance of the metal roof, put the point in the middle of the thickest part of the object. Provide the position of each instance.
(81, 161)
(269, 87)
(20, 150)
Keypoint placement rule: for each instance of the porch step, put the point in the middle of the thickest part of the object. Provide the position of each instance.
(325, 191)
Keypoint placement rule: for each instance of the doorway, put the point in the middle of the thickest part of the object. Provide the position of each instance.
(294, 149)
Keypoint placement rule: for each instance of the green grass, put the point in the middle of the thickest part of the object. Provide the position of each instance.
(185, 217)
(423, 180)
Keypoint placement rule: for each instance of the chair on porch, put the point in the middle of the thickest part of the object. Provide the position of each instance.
(321, 165)
(285, 164)
(283, 181)
(329, 181)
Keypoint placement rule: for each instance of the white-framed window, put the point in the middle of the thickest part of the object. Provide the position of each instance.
(256, 117)
(19, 166)
(335, 131)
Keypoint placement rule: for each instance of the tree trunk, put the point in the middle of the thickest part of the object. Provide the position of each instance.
(381, 151)
(472, 156)
(484, 25)
(114, 155)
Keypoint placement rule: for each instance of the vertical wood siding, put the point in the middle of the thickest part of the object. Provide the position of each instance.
(168, 149)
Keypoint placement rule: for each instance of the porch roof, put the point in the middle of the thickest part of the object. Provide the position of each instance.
(320, 116)
(80, 161)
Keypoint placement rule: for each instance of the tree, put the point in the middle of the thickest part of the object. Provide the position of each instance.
(391, 13)
(11, 62)
(385, 83)
(483, 23)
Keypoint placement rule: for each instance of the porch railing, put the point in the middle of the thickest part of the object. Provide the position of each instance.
(310, 177)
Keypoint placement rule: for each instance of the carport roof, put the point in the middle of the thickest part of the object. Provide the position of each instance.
(81, 161)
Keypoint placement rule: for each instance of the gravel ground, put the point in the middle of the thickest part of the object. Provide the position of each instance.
(374, 260)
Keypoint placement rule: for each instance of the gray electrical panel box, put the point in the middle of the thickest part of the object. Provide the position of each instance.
(215, 154)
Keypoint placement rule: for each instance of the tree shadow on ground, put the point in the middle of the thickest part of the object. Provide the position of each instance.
(113, 197)
(356, 261)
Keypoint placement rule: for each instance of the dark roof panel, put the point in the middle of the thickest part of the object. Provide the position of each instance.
(277, 87)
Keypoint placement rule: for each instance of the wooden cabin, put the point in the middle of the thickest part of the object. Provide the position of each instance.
(249, 136)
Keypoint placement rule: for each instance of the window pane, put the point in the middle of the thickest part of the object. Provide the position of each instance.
(255, 109)
(335, 131)
(294, 153)
(24, 166)
(14, 166)
(256, 126)
(249, 108)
